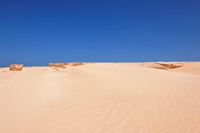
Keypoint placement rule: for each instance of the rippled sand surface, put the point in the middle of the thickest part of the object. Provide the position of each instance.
(101, 98)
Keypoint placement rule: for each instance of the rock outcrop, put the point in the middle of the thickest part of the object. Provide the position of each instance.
(16, 67)
(74, 63)
(170, 65)
(165, 66)
(57, 65)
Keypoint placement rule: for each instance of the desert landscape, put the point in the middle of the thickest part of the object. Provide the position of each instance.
(151, 97)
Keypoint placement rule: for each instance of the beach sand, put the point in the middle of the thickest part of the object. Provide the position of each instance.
(101, 98)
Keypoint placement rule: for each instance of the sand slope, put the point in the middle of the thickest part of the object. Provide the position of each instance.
(101, 98)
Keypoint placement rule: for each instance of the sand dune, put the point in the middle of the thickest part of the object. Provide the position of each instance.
(101, 98)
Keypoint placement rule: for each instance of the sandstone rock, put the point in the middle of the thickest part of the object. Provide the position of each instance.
(171, 65)
(16, 67)
(163, 65)
(57, 65)
(74, 63)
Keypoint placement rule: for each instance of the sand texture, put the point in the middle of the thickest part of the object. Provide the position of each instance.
(101, 98)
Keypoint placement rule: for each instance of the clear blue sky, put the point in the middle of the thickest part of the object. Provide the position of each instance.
(36, 32)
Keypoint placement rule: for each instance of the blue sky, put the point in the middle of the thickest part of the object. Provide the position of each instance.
(36, 32)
